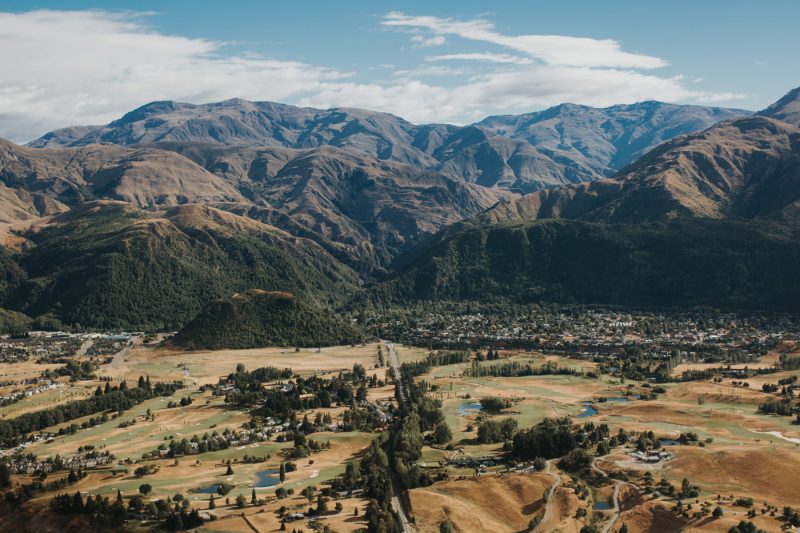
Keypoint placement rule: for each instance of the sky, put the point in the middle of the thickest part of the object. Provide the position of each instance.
(66, 63)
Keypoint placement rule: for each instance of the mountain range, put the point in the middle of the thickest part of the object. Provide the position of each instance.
(709, 218)
(647, 204)
(564, 144)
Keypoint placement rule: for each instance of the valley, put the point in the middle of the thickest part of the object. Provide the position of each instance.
(638, 436)
(250, 316)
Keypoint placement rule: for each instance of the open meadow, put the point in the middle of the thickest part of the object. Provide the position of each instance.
(739, 455)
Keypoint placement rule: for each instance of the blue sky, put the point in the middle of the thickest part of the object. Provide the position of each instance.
(67, 63)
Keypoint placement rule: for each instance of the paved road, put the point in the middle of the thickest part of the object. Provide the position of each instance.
(394, 361)
(615, 498)
(398, 503)
(550, 493)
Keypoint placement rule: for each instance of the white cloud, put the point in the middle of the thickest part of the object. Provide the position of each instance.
(61, 68)
(426, 42)
(514, 91)
(557, 50)
(483, 56)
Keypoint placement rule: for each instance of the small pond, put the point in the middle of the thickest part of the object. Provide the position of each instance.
(602, 506)
(211, 489)
(267, 478)
(588, 410)
(469, 408)
(668, 442)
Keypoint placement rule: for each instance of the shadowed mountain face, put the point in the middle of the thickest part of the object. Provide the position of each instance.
(683, 263)
(524, 153)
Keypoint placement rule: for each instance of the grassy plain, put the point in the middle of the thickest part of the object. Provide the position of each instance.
(206, 413)
(743, 454)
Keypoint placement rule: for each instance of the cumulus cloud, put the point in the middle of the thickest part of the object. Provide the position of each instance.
(76, 67)
(61, 68)
(516, 90)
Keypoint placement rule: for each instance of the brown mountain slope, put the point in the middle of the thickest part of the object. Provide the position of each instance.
(786, 109)
(142, 176)
(362, 209)
(746, 168)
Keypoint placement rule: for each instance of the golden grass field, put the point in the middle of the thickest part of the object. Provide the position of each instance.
(206, 414)
(746, 454)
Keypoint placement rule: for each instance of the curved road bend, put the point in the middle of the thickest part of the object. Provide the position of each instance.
(615, 498)
(550, 493)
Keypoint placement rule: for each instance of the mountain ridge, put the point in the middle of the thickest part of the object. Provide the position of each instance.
(523, 160)
(360, 208)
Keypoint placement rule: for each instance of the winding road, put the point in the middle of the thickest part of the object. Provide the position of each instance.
(615, 498)
(399, 503)
(550, 493)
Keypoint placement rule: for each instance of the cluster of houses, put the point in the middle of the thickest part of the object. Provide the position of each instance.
(651, 456)
(596, 334)
(80, 461)
(53, 345)
(44, 385)
(32, 439)
(460, 460)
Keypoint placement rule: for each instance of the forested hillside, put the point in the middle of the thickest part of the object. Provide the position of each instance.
(260, 318)
(109, 265)
(683, 263)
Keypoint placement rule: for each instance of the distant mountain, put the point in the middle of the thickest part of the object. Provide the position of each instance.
(564, 144)
(605, 140)
(111, 265)
(258, 318)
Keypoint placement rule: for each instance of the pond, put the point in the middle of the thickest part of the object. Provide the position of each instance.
(211, 489)
(469, 408)
(267, 478)
(668, 442)
(602, 506)
(588, 410)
